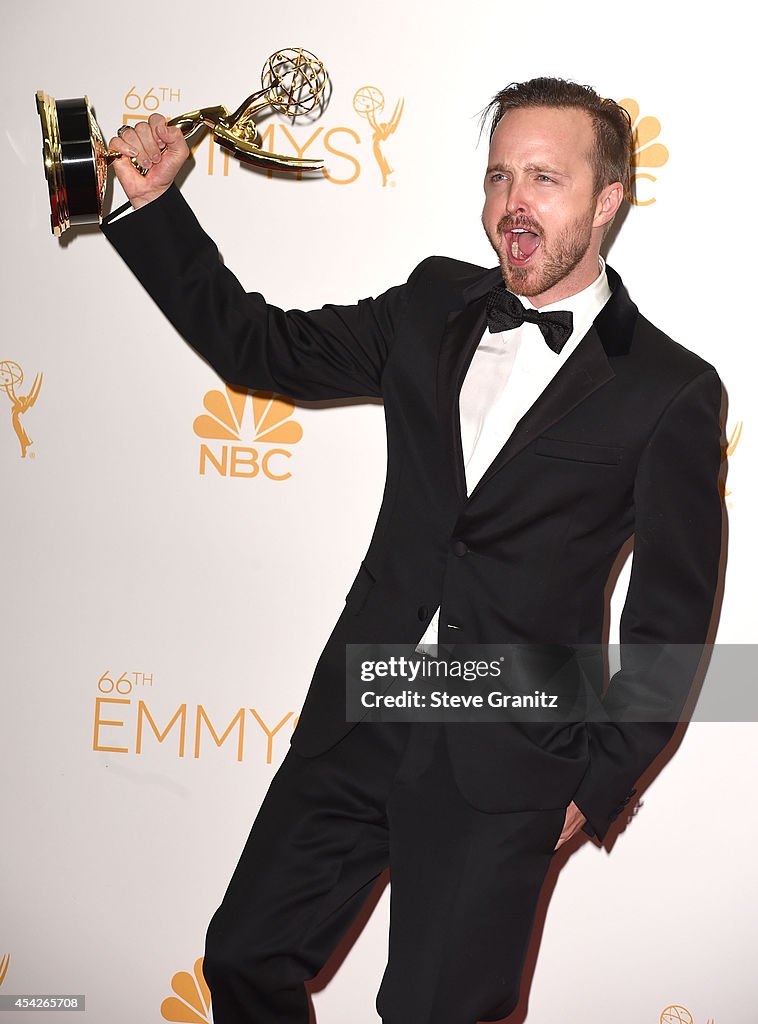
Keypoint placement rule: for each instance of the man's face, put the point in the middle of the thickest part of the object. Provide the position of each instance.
(540, 212)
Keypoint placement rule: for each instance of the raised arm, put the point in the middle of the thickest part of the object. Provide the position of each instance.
(333, 352)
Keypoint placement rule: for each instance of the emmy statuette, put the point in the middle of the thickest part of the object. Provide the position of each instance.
(76, 158)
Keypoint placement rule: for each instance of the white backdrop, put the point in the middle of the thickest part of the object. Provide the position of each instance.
(136, 587)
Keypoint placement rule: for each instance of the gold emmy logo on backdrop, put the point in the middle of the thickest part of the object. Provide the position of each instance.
(11, 378)
(679, 1015)
(676, 1015)
(194, 1002)
(368, 102)
(647, 152)
(728, 450)
(228, 417)
(4, 967)
(734, 439)
(76, 158)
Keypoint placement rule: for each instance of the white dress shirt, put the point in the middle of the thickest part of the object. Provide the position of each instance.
(506, 376)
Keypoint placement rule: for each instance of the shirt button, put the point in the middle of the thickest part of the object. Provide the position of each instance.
(459, 548)
(423, 613)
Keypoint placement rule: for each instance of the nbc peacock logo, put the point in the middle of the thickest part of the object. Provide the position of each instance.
(191, 1002)
(252, 430)
(648, 153)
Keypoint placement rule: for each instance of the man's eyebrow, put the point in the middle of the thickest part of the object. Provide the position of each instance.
(546, 169)
(538, 168)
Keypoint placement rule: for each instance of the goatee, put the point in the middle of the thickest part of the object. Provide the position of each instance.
(556, 260)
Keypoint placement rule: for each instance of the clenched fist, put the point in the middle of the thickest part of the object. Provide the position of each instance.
(158, 148)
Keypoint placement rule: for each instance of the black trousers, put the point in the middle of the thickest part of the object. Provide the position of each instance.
(463, 884)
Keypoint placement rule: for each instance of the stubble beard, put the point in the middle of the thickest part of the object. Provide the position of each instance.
(557, 259)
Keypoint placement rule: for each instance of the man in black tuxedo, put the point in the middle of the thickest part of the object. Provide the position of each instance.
(527, 441)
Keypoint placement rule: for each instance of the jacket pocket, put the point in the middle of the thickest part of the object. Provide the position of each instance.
(362, 585)
(579, 451)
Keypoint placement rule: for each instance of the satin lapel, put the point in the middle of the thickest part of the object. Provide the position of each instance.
(586, 369)
(462, 334)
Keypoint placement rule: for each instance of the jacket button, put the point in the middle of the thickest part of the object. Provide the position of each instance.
(459, 548)
(423, 613)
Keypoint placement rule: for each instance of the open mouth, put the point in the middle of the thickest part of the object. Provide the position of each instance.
(521, 245)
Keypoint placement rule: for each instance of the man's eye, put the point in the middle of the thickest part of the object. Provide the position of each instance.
(497, 176)
(544, 177)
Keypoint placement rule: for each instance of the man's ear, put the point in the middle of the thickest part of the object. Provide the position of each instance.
(608, 202)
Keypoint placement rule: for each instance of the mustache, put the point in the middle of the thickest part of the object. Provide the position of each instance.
(508, 223)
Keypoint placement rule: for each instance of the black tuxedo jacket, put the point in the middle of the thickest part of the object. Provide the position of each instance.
(625, 440)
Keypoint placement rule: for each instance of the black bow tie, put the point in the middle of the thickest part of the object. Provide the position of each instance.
(504, 312)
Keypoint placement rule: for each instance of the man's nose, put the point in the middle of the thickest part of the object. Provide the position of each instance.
(518, 201)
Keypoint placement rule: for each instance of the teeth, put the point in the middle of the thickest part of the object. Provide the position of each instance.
(514, 248)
